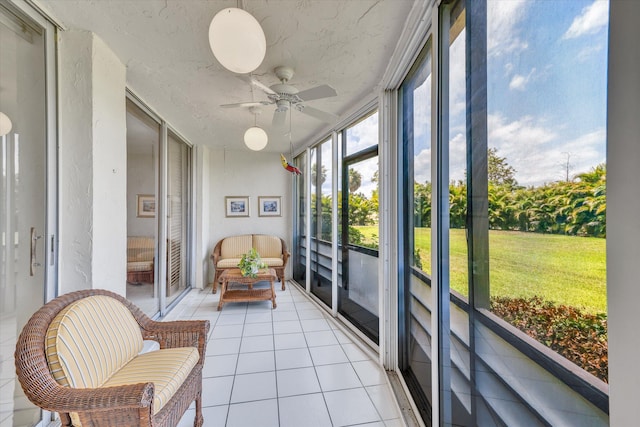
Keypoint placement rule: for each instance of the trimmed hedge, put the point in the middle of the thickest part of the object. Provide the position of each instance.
(578, 336)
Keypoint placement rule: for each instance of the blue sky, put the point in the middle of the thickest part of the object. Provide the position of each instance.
(546, 93)
(546, 88)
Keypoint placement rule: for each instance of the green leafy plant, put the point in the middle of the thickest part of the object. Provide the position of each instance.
(250, 263)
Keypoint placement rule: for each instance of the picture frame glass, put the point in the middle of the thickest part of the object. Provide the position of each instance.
(269, 206)
(236, 206)
(146, 206)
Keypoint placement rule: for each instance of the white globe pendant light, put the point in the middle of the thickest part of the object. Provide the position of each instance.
(5, 124)
(255, 138)
(237, 40)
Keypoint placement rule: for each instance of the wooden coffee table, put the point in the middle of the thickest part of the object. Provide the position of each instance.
(234, 275)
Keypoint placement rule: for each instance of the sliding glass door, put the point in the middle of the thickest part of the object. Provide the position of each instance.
(321, 222)
(27, 188)
(158, 248)
(358, 296)
(178, 215)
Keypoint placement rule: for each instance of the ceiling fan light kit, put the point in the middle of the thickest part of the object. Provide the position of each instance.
(237, 40)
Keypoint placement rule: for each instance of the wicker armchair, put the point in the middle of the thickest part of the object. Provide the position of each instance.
(118, 405)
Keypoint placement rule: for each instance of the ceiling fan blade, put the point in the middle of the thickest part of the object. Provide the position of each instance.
(279, 118)
(318, 114)
(322, 91)
(246, 104)
(255, 83)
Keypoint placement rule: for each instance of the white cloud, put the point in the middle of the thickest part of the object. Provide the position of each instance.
(422, 110)
(457, 157)
(590, 21)
(522, 142)
(537, 152)
(508, 68)
(422, 166)
(519, 82)
(589, 52)
(503, 18)
(363, 135)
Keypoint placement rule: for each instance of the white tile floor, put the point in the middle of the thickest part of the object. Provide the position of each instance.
(291, 366)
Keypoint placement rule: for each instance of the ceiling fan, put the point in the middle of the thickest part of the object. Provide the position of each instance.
(285, 96)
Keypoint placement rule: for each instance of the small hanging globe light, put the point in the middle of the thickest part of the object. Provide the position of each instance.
(5, 124)
(237, 40)
(255, 138)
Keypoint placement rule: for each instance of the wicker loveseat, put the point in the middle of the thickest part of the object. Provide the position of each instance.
(140, 259)
(228, 251)
(79, 355)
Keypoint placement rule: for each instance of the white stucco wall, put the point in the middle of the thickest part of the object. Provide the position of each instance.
(92, 181)
(623, 205)
(202, 217)
(253, 174)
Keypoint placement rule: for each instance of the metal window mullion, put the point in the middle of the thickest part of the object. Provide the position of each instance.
(307, 202)
(441, 366)
(388, 228)
(161, 209)
(334, 224)
(477, 179)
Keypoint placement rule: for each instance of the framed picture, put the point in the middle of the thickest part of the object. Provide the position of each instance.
(146, 206)
(236, 206)
(269, 206)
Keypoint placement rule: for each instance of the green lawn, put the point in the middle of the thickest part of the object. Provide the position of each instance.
(563, 269)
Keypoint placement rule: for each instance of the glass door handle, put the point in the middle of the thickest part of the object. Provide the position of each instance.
(34, 260)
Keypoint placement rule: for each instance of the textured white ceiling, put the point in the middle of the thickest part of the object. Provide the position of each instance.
(164, 45)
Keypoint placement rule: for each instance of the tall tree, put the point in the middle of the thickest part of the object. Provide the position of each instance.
(500, 172)
(355, 180)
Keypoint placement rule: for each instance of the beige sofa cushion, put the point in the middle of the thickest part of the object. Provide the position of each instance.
(228, 263)
(90, 340)
(140, 248)
(267, 246)
(273, 262)
(140, 266)
(235, 246)
(166, 369)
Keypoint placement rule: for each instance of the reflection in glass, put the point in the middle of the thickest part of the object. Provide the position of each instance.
(358, 289)
(178, 214)
(416, 302)
(300, 230)
(23, 205)
(143, 142)
(321, 201)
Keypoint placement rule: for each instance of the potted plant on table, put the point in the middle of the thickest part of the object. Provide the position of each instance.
(250, 263)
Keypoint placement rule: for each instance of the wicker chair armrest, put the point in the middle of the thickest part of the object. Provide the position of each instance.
(179, 333)
(285, 253)
(216, 254)
(65, 399)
